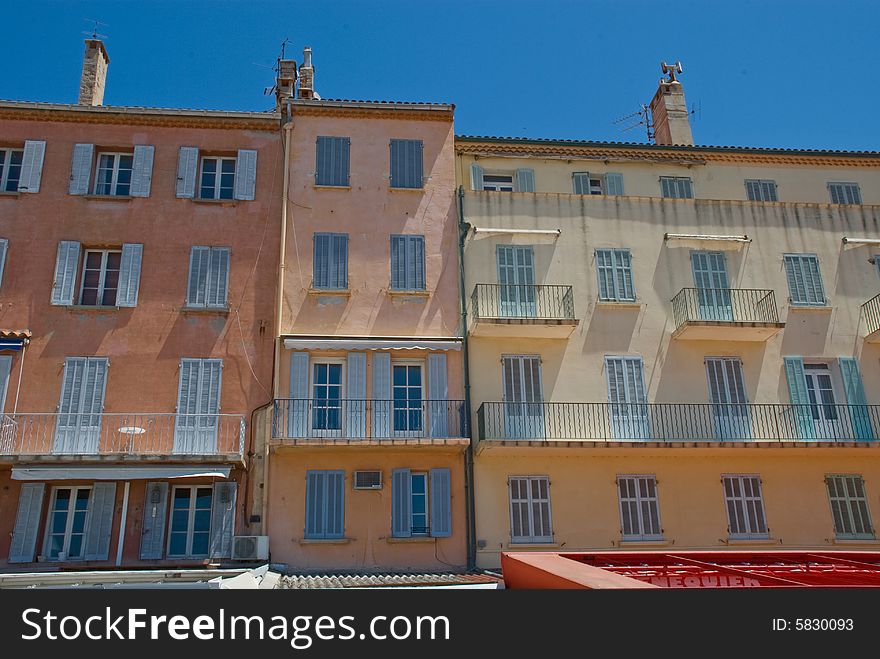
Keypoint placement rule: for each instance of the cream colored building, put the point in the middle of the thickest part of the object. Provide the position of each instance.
(671, 345)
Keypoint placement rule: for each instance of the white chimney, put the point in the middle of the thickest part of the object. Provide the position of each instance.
(669, 111)
(307, 75)
(94, 73)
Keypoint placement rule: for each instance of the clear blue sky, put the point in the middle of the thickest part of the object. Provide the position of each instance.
(764, 72)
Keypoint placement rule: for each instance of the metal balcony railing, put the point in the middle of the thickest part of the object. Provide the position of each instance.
(871, 313)
(675, 422)
(313, 418)
(122, 434)
(731, 305)
(535, 301)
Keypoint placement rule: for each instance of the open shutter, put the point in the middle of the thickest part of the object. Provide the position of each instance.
(4, 247)
(27, 523)
(401, 504)
(197, 288)
(476, 177)
(298, 410)
(797, 387)
(614, 184)
(381, 395)
(525, 180)
(65, 272)
(100, 522)
(222, 519)
(31, 166)
(356, 382)
(441, 503)
(129, 275)
(245, 174)
(581, 182)
(5, 370)
(218, 277)
(153, 527)
(187, 165)
(856, 399)
(142, 171)
(438, 395)
(81, 168)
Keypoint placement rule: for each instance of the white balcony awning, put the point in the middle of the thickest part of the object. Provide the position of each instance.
(371, 344)
(118, 473)
(860, 241)
(701, 236)
(539, 232)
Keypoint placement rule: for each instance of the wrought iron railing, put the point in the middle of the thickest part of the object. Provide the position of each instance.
(733, 305)
(536, 302)
(122, 434)
(313, 418)
(674, 422)
(871, 314)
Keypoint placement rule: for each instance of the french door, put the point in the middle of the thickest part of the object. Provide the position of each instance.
(627, 398)
(727, 394)
(516, 279)
(327, 399)
(823, 403)
(523, 397)
(408, 400)
(80, 410)
(713, 288)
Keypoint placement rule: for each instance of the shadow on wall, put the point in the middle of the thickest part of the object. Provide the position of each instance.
(90, 328)
(807, 331)
(611, 329)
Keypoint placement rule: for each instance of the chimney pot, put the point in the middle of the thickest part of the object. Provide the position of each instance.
(307, 75)
(669, 111)
(94, 73)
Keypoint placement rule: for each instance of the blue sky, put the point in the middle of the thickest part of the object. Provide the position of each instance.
(786, 73)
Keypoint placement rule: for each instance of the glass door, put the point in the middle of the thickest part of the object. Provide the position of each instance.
(327, 399)
(408, 400)
(823, 403)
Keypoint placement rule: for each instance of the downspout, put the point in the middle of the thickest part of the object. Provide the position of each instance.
(463, 229)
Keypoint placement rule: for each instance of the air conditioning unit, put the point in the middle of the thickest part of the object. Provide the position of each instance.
(368, 480)
(250, 547)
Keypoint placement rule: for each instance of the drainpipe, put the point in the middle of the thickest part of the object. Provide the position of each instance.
(463, 228)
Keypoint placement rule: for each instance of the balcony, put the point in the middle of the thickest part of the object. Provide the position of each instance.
(592, 423)
(871, 314)
(314, 422)
(725, 314)
(122, 437)
(530, 311)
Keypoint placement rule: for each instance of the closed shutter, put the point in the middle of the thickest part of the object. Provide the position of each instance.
(315, 504)
(129, 275)
(31, 166)
(187, 166)
(100, 522)
(153, 527)
(855, 397)
(245, 174)
(335, 524)
(441, 503)
(525, 180)
(745, 506)
(5, 370)
(381, 395)
(332, 161)
(401, 504)
(614, 268)
(476, 177)
(438, 395)
(321, 261)
(356, 383)
(223, 519)
(4, 248)
(804, 279)
(81, 168)
(407, 164)
(218, 277)
(66, 265)
(198, 403)
(408, 263)
(298, 411)
(639, 507)
(27, 523)
(142, 171)
(845, 193)
(614, 184)
(197, 288)
(330, 266)
(325, 505)
(581, 182)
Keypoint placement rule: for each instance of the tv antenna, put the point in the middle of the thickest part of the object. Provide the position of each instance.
(641, 117)
(268, 91)
(696, 110)
(94, 33)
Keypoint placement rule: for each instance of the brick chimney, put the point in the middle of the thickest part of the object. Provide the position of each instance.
(307, 75)
(669, 110)
(285, 83)
(94, 73)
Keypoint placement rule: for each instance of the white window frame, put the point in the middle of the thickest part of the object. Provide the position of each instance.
(102, 278)
(599, 179)
(114, 176)
(678, 184)
(750, 506)
(845, 189)
(422, 364)
(427, 497)
(5, 167)
(327, 432)
(766, 188)
(530, 502)
(499, 186)
(217, 177)
(190, 525)
(639, 501)
(68, 530)
(847, 503)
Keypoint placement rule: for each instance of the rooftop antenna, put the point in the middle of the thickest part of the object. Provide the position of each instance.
(696, 110)
(268, 91)
(94, 33)
(641, 117)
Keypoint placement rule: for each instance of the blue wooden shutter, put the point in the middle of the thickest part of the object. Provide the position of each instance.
(129, 275)
(66, 265)
(605, 274)
(438, 395)
(27, 523)
(339, 261)
(614, 184)
(334, 525)
(356, 395)
(401, 504)
(197, 287)
(245, 175)
(525, 180)
(855, 397)
(100, 522)
(4, 248)
(222, 519)
(142, 171)
(407, 164)
(398, 262)
(322, 265)
(623, 275)
(31, 166)
(476, 177)
(581, 182)
(218, 277)
(381, 395)
(332, 161)
(797, 387)
(153, 526)
(315, 504)
(408, 263)
(441, 503)
(804, 279)
(81, 168)
(187, 166)
(298, 405)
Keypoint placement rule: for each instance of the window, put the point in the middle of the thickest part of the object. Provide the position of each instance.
(761, 190)
(614, 268)
(190, 529)
(330, 265)
(217, 178)
(332, 156)
(68, 513)
(407, 397)
(804, 280)
(113, 174)
(598, 184)
(421, 503)
(407, 164)
(845, 193)
(325, 505)
(745, 507)
(530, 520)
(327, 397)
(676, 187)
(10, 169)
(849, 506)
(639, 508)
(100, 278)
(407, 263)
(498, 182)
(208, 277)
